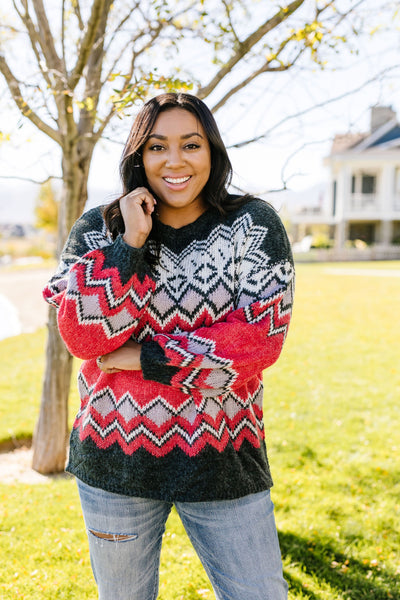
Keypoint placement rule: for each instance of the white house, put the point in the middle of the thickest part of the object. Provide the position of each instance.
(362, 201)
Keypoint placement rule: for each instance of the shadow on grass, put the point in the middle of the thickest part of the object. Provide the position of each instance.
(11, 443)
(322, 562)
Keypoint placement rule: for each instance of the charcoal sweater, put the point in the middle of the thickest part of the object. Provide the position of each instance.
(211, 314)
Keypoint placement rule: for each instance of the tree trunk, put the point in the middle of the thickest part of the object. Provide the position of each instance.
(50, 439)
(51, 433)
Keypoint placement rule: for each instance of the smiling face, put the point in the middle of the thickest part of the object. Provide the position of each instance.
(177, 162)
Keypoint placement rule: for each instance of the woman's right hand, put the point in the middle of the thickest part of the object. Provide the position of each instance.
(136, 210)
(125, 358)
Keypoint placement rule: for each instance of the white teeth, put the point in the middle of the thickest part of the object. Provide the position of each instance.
(177, 179)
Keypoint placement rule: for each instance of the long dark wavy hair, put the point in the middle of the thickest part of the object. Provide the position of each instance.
(131, 166)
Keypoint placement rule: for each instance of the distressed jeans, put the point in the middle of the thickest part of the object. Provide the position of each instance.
(236, 541)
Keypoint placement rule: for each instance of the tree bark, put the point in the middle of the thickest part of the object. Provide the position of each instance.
(51, 432)
(50, 439)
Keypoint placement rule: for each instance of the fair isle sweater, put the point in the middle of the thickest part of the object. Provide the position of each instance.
(211, 314)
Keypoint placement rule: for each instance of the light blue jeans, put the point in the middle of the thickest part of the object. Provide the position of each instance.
(236, 541)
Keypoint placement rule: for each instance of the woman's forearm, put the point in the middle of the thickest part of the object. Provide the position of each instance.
(125, 358)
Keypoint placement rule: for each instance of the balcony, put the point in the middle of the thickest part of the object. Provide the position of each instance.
(363, 203)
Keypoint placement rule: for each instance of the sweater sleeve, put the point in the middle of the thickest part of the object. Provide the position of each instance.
(100, 289)
(215, 359)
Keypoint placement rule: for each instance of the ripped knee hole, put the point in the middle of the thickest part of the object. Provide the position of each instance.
(113, 537)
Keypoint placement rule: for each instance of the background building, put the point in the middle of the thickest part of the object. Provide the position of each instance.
(361, 204)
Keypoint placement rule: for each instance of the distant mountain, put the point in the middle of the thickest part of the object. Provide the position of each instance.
(293, 202)
(17, 201)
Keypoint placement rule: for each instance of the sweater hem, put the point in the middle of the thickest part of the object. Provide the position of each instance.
(155, 495)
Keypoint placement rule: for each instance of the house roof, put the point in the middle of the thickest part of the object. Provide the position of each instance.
(390, 136)
(382, 137)
(345, 141)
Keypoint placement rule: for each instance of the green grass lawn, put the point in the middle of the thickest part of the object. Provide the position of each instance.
(332, 426)
(22, 364)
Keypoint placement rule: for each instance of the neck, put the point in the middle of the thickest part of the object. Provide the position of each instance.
(179, 217)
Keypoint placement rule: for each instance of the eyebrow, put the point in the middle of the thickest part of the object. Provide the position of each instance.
(183, 137)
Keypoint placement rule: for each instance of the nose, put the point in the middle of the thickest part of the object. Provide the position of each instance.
(174, 157)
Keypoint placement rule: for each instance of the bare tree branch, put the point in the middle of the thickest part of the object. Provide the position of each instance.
(99, 7)
(311, 108)
(228, 14)
(266, 67)
(63, 31)
(142, 32)
(14, 87)
(236, 88)
(93, 83)
(46, 39)
(345, 13)
(77, 11)
(118, 27)
(285, 179)
(39, 182)
(128, 78)
(112, 140)
(283, 66)
(34, 36)
(245, 46)
(295, 153)
(154, 32)
(45, 104)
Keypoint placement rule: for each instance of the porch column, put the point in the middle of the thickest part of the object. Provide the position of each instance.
(386, 203)
(343, 190)
(386, 232)
(340, 234)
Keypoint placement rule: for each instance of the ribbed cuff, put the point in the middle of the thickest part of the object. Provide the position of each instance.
(153, 363)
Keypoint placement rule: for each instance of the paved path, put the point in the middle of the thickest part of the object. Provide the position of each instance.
(15, 466)
(23, 289)
(23, 308)
(364, 272)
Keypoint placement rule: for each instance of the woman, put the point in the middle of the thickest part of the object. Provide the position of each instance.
(177, 296)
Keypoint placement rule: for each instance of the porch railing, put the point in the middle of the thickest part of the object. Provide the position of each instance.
(364, 203)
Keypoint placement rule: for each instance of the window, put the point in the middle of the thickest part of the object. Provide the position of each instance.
(368, 184)
(363, 183)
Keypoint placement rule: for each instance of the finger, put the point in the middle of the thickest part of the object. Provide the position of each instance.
(143, 197)
(147, 202)
(102, 363)
(138, 195)
(150, 204)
